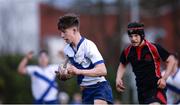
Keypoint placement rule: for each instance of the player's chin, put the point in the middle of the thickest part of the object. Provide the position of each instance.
(67, 41)
(135, 44)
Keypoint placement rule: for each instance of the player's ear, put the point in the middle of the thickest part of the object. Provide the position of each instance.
(74, 29)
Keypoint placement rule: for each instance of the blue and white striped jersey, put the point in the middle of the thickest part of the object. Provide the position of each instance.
(173, 88)
(85, 56)
(43, 83)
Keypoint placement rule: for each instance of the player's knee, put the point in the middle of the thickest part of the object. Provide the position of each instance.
(100, 102)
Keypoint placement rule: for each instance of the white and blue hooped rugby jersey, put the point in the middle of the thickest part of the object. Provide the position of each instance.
(173, 88)
(43, 84)
(85, 56)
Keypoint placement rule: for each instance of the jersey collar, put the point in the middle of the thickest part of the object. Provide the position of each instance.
(80, 42)
(78, 45)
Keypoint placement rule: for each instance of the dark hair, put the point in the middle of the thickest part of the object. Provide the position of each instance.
(176, 55)
(43, 51)
(136, 28)
(67, 21)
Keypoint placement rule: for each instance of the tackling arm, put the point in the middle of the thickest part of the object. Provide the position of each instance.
(169, 68)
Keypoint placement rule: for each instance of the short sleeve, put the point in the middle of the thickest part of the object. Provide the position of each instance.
(31, 69)
(164, 54)
(93, 53)
(123, 59)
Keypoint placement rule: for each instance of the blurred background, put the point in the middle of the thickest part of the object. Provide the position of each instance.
(31, 25)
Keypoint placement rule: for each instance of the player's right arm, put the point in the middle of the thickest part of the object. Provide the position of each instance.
(120, 72)
(23, 63)
(119, 82)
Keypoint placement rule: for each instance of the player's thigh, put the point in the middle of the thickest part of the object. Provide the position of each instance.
(100, 102)
(155, 103)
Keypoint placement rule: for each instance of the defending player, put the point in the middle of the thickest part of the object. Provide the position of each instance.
(145, 60)
(85, 61)
(44, 87)
(173, 85)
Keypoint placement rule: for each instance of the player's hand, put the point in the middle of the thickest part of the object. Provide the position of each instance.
(29, 55)
(161, 83)
(119, 85)
(73, 70)
(62, 73)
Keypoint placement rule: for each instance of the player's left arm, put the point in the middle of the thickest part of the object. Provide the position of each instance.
(98, 70)
(170, 62)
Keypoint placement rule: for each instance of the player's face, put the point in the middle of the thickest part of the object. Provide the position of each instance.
(135, 39)
(43, 59)
(68, 35)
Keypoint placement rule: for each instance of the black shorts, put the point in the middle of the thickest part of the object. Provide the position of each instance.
(154, 95)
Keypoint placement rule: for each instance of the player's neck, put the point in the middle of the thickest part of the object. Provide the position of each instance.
(142, 43)
(76, 40)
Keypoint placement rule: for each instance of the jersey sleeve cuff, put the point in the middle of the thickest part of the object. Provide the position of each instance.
(99, 62)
